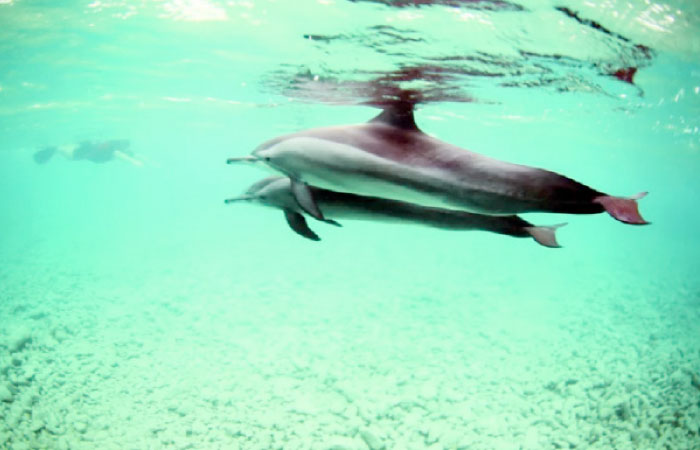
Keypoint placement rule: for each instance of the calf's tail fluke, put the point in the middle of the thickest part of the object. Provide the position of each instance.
(623, 209)
(545, 235)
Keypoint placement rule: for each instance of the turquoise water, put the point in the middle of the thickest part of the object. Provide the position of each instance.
(138, 311)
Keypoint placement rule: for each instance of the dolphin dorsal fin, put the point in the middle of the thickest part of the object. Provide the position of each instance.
(399, 115)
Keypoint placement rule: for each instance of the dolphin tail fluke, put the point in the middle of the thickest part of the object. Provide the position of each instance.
(298, 224)
(545, 235)
(623, 209)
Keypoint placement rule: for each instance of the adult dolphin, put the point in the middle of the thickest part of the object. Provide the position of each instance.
(277, 192)
(390, 157)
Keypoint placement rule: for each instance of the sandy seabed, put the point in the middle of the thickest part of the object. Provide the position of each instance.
(194, 359)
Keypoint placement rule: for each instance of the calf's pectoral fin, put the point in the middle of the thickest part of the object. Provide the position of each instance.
(623, 209)
(297, 222)
(545, 235)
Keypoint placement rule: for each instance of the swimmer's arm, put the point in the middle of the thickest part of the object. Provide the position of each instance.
(127, 158)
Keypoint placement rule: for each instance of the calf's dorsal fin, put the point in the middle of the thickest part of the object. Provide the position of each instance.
(399, 115)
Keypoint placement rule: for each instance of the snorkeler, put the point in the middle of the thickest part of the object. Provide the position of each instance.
(95, 151)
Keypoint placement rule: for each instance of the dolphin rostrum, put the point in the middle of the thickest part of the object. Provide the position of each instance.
(390, 157)
(277, 192)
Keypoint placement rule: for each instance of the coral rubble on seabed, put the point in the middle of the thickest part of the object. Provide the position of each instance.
(207, 369)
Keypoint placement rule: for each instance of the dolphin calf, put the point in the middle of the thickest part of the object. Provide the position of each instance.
(390, 157)
(277, 192)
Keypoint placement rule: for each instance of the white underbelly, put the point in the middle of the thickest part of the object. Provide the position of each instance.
(372, 187)
(343, 168)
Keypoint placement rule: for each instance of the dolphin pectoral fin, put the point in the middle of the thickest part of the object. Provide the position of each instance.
(623, 209)
(297, 222)
(545, 235)
(305, 199)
